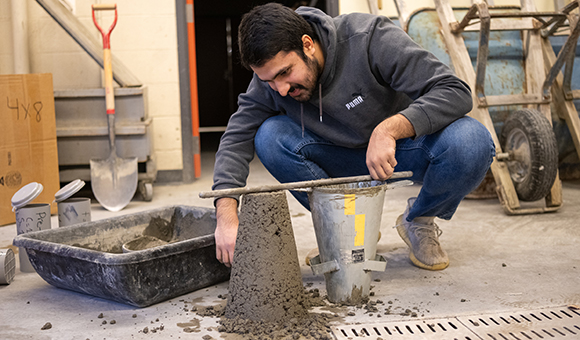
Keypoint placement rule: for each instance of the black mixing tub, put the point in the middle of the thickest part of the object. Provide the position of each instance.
(88, 257)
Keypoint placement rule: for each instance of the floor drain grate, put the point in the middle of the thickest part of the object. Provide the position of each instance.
(550, 323)
(449, 328)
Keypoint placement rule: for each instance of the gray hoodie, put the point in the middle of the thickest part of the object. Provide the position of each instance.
(372, 70)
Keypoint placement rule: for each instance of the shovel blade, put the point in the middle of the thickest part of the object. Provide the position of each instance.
(114, 181)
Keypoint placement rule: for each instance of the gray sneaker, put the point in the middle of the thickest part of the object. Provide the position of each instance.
(422, 237)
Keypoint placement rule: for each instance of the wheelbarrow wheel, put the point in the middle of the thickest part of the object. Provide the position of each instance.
(528, 138)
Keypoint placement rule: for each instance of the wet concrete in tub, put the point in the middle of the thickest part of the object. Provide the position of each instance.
(266, 296)
(114, 249)
(160, 228)
(144, 242)
(158, 232)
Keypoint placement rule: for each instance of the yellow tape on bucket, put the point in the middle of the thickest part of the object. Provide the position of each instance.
(359, 228)
(349, 204)
(359, 220)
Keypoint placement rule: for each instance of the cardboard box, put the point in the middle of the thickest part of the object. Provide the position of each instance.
(28, 151)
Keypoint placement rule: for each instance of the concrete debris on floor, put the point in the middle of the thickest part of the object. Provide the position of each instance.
(499, 264)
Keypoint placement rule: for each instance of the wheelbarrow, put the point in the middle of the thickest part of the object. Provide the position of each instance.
(559, 40)
(498, 52)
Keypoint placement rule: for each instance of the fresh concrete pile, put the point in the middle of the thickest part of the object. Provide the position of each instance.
(266, 296)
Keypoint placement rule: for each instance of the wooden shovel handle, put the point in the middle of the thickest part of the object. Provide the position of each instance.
(104, 7)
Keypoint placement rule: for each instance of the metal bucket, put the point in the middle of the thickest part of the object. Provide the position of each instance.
(347, 219)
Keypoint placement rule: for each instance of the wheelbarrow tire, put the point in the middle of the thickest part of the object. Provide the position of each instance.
(533, 164)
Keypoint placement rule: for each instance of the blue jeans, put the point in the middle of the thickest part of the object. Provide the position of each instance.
(449, 163)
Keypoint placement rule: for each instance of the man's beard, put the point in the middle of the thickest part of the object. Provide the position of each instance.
(307, 90)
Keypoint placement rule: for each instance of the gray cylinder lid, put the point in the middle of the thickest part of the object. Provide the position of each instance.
(68, 190)
(26, 194)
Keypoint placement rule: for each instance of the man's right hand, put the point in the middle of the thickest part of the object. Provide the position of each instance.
(226, 230)
(382, 146)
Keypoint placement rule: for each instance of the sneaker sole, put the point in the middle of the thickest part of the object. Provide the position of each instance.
(403, 233)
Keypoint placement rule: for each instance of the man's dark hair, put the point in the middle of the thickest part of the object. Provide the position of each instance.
(269, 29)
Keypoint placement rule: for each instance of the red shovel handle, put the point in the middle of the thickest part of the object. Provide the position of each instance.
(107, 34)
(107, 59)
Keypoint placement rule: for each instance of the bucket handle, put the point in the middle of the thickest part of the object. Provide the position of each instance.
(323, 268)
(379, 264)
(399, 184)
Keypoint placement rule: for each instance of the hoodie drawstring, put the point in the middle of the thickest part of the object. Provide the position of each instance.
(302, 118)
(320, 100)
(319, 108)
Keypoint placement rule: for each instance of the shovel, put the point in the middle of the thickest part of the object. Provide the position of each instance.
(113, 180)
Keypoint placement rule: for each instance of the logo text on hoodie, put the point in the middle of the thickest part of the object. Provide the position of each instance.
(357, 101)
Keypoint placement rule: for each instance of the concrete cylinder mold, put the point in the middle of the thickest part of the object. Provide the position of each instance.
(75, 210)
(29, 217)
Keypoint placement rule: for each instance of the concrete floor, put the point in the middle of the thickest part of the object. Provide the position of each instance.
(499, 263)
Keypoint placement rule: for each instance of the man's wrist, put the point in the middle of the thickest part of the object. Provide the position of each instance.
(398, 126)
(225, 200)
(226, 205)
